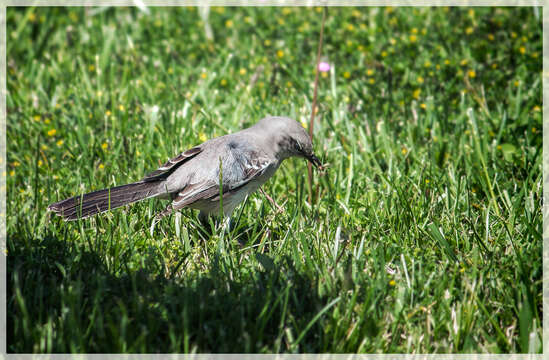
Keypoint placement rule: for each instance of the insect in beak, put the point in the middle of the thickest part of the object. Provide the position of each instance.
(315, 161)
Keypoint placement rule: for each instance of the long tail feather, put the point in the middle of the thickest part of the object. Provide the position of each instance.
(83, 206)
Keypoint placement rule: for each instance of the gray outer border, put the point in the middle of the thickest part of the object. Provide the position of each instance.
(3, 168)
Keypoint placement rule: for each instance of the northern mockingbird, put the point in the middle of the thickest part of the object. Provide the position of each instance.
(242, 161)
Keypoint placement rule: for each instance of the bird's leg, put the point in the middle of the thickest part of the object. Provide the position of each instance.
(224, 224)
(159, 217)
(278, 207)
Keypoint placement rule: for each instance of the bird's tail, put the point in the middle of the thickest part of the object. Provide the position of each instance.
(83, 206)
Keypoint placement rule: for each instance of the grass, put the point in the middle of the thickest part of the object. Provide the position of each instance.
(425, 231)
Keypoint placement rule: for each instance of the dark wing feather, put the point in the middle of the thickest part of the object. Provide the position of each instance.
(250, 167)
(171, 165)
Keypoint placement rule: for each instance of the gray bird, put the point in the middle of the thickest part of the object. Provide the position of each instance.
(247, 159)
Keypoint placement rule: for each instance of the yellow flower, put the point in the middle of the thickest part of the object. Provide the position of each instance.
(416, 93)
(318, 9)
(494, 66)
(324, 74)
(39, 162)
(350, 27)
(280, 53)
(427, 64)
(427, 181)
(52, 132)
(91, 67)
(383, 53)
(47, 121)
(536, 108)
(414, 31)
(522, 50)
(104, 146)
(392, 283)
(108, 113)
(121, 107)
(267, 42)
(286, 11)
(203, 75)
(423, 106)
(356, 13)
(247, 19)
(242, 71)
(99, 93)
(32, 17)
(223, 82)
(44, 147)
(463, 62)
(60, 142)
(471, 73)
(289, 84)
(346, 74)
(516, 83)
(36, 117)
(447, 62)
(202, 137)
(491, 37)
(392, 41)
(469, 30)
(437, 66)
(229, 23)
(101, 166)
(471, 12)
(15, 163)
(370, 72)
(372, 80)
(280, 21)
(420, 80)
(12, 173)
(404, 150)
(513, 34)
(413, 38)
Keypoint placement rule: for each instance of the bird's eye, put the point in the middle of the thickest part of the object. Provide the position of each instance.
(298, 147)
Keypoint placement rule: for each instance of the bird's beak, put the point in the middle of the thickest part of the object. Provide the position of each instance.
(314, 160)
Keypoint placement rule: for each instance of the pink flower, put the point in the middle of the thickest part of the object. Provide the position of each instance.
(323, 66)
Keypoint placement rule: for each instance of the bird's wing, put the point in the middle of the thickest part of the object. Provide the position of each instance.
(171, 165)
(239, 167)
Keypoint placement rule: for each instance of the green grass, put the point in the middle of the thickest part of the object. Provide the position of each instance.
(425, 232)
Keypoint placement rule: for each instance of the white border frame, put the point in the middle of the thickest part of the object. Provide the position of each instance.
(475, 3)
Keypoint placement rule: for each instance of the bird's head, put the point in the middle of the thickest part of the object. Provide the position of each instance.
(291, 138)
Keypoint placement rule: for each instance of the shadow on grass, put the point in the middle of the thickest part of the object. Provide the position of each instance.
(62, 298)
